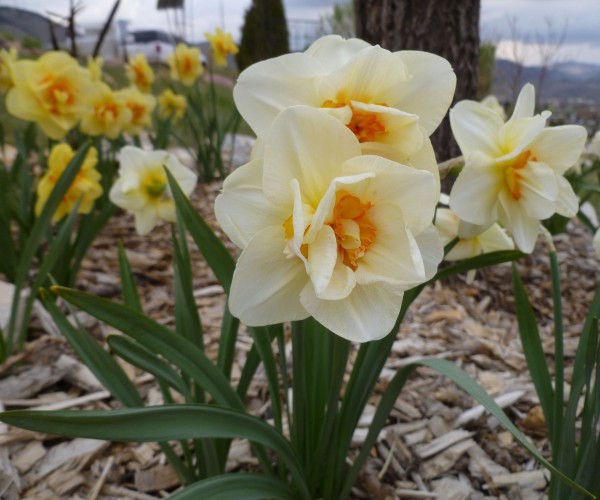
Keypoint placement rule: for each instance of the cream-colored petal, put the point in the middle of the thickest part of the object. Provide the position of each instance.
(464, 249)
(166, 211)
(525, 104)
(343, 281)
(368, 313)
(131, 158)
(446, 224)
(131, 200)
(432, 250)
(495, 239)
(559, 147)
(516, 136)
(266, 284)
(145, 220)
(185, 177)
(242, 209)
(394, 257)
(268, 87)
(468, 230)
(567, 203)
(332, 51)
(424, 159)
(322, 256)
(524, 229)
(307, 145)
(429, 91)
(474, 196)
(414, 191)
(539, 190)
(475, 128)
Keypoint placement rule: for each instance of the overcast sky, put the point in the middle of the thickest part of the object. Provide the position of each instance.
(582, 40)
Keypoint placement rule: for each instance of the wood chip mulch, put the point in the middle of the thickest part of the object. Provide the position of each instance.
(437, 444)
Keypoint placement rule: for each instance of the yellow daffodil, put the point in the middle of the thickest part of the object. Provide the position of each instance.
(140, 105)
(7, 59)
(185, 64)
(94, 66)
(222, 45)
(51, 91)
(326, 231)
(143, 188)
(392, 102)
(513, 171)
(171, 105)
(108, 113)
(86, 186)
(139, 72)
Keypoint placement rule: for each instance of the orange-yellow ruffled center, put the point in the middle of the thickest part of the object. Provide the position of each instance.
(141, 78)
(365, 125)
(57, 93)
(107, 112)
(138, 112)
(513, 175)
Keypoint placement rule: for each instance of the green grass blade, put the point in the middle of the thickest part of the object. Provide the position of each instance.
(229, 331)
(484, 260)
(8, 262)
(237, 485)
(131, 297)
(162, 423)
(158, 339)
(139, 356)
(217, 256)
(532, 348)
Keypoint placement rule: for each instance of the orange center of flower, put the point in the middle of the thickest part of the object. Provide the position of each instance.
(57, 93)
(366, 126)
(513, 176)
(108, 112)
(138, 111)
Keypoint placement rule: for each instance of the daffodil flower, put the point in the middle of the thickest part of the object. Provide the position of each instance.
(142, 187)
(140, 106)
(185, 64)
(85, 188)
(392, 102)
(7, 59)
(171, 105)
(513, 171)
(222, 45)
(107, 112)
(139, 72)
(51, 91)
(326, 231)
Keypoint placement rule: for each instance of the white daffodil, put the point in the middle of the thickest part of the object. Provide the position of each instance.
(143, 188)
(469, 245)
(326, 231)
(392, 102)
(491, 101)
(513, 171)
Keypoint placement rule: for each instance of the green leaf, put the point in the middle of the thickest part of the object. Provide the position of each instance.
(158, 339)
(162, 423)
(131, 296)
(107, 370)
(483, 260)
(229, 330)
(533, 349)
(8, 262)
(139, 356)
(217, 256)
(237, 485)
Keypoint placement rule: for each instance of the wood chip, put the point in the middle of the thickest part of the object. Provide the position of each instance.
(25, 458)
(445, 460)
(535, 480)
(157, 478)
(441, 443)
(30, 382)
(502, 401)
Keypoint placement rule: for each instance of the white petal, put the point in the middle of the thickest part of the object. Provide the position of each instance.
(333, 51)
(131, 158)
(394, 256)
(567, 204)
(322, 256)
(474, 196)
(432, 251)
(495, 238)
(424, 159)
(268, 87)
(516, 135)
(539, 190)
(343, 281)
(464, 249)
(446, 224)
(145, 220)
(310, 146)
(524, 229)
(475, 128)
(266, 285)
(559, 147)
(128, 200)
(186, 179)
(468, 230)
(414, 191)
(242, 209)
(368, 313)
(430, 89)
(525, 104)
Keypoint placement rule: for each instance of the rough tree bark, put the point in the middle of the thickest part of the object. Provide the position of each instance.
(449, 28)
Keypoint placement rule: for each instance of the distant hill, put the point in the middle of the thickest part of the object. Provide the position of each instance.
(567, 81)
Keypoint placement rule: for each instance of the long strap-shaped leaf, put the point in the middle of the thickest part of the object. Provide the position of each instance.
(462, 379)
(162, 423)
(238, 485)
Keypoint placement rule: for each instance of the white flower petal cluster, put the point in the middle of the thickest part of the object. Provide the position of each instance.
(514, 170)
(391, 101)
(327, 231)
(142, 187)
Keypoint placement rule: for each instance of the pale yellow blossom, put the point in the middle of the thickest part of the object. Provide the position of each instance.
(185, 64)
(107, 113)
(7, 59)
(171, 105)
(140, 105)
(222, 45)
(139, 72)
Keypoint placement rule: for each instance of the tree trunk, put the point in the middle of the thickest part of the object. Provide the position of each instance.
(449, 28)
